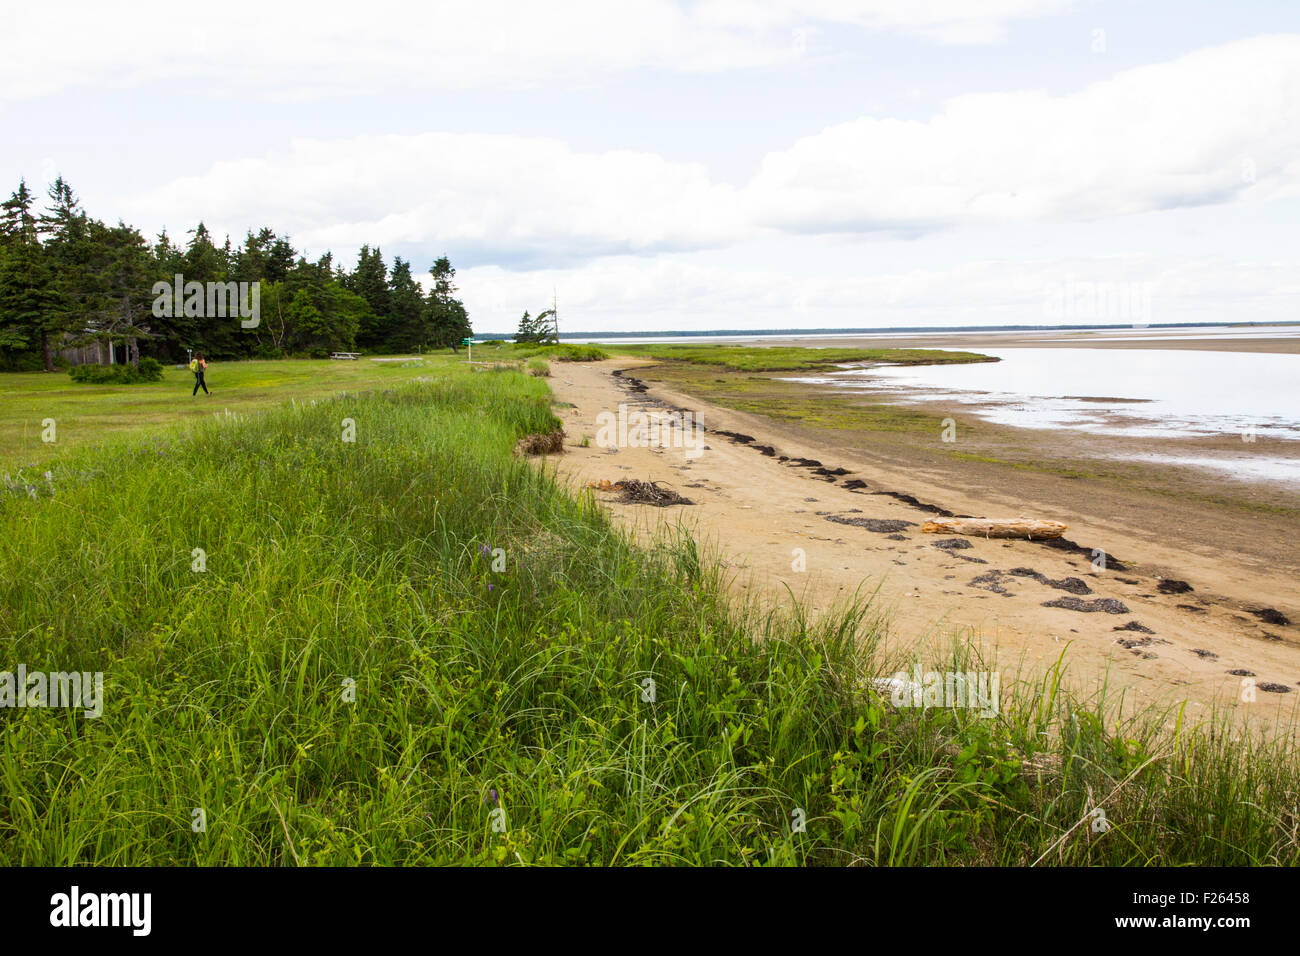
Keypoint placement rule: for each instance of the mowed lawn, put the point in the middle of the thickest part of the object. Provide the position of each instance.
(85, 414)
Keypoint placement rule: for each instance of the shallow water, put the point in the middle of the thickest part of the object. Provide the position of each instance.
(1241, 467)
(1159, 393)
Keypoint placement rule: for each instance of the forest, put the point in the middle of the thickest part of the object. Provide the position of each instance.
(75, 289)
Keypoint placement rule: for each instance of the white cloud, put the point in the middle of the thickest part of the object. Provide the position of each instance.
(510, 197)
(1211, 126)
(669, 293)
(1215, 126)
(333, 47)
(944, 21)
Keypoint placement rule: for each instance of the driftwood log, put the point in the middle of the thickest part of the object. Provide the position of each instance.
(1032, 528)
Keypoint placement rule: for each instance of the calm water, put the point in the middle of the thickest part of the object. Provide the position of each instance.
(1137, 392)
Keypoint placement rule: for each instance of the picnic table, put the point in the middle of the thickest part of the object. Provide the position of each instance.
(350, 356)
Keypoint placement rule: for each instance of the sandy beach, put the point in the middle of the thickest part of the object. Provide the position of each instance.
(1190, 606)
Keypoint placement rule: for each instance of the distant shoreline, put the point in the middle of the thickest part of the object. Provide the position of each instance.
(887, 331)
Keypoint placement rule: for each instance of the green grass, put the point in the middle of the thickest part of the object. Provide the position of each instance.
(778, 358)
(390, 630)
(494, 349)
(87, 413)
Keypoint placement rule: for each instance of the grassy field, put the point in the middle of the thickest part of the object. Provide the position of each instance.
(415, 647)
(791, 358)
(495, 350)
(90, 413)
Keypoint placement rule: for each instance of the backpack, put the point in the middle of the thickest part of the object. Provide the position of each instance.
(194, 365)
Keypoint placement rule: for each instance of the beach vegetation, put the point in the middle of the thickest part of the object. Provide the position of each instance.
(416, 647)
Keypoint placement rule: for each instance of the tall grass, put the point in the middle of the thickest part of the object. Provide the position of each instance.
(416, 648)
(560, 352)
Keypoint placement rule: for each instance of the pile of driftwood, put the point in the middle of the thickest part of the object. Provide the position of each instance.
(641, 492)
(1031, 528)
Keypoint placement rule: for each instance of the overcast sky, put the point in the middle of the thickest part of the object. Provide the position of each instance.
(719, 164)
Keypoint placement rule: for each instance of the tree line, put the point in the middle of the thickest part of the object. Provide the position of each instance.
(68, 280)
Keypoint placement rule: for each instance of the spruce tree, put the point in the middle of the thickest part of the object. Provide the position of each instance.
(370, 281)
(524, 333)
(70, 251)
(448, 321)
(406, 325)
(30, 303)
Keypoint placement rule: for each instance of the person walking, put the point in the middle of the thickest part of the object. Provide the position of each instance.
(198, 365)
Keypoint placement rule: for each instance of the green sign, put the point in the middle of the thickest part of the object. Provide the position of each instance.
(466, 341)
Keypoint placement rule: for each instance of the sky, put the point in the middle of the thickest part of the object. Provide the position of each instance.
(738, 164)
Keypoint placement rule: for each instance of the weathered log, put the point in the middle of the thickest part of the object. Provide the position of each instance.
(1032, 528)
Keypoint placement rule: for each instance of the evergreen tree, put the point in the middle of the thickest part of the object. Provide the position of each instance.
(176, 333)
(68, 279)
(370, 281)
(448, 322)
(305, 319)
(216, 337)
(539, 328)
(407, 330)
(70, 250)
(203, 261)
(280, 256)
(17, 222)
(64, 220)
(248, 264)
(527, 331)
(544, 327)
(120, 308)
(31, 308)
(12, 339)
(342, 313)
